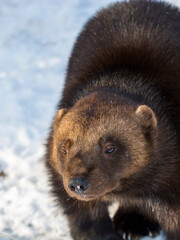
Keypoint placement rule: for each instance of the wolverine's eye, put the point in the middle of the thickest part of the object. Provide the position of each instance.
(64, 152)
(110, 150)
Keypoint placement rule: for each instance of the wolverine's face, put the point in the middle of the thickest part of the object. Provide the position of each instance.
(96, 147)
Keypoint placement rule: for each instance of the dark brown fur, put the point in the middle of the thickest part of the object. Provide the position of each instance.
(122, 90)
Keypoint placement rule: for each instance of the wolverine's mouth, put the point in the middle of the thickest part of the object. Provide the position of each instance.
(86, 197)
(83, 196)
(90, 196)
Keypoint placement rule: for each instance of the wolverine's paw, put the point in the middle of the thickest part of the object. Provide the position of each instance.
(132, 226)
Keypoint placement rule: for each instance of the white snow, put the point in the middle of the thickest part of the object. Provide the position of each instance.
(35, 42)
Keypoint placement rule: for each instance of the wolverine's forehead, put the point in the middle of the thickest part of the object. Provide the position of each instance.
(83, 126)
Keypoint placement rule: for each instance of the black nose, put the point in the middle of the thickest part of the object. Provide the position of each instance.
(78, 185)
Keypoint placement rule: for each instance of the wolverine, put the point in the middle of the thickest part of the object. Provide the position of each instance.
(116, 133)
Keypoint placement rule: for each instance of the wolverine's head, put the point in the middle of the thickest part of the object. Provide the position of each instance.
(101, 141)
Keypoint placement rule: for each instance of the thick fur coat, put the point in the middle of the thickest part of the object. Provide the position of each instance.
(116, 134)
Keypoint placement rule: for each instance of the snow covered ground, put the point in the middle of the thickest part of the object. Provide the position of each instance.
(35, 42)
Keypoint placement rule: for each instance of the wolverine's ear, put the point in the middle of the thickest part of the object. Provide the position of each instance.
(146, 116)
(58, 117)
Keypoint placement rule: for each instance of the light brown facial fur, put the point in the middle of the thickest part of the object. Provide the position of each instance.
(82, 135)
